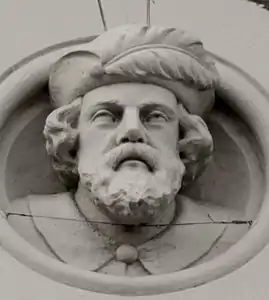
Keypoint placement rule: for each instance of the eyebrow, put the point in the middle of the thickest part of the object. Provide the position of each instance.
(153, 105)
(111, 101)
(112, 104)
(115, 104)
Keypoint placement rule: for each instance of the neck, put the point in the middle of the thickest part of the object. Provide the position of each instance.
(118, 233)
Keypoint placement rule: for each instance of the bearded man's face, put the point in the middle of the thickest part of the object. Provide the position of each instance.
(128, 156)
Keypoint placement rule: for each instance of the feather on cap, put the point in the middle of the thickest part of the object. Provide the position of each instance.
(167, 57)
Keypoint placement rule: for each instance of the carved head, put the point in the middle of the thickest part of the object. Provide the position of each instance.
(128, 124)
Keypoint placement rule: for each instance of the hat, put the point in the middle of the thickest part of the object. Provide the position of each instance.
(168, 57)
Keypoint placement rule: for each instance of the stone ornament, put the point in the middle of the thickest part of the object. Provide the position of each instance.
(115, 140)
(128, 138)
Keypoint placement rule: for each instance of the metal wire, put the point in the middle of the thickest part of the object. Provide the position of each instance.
(148, 11)
(102, 14)
(237, 222)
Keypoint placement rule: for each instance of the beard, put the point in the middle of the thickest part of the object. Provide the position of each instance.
(133, 195)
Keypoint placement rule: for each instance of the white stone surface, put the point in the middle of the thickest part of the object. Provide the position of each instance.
(17, 282)
(234, 29)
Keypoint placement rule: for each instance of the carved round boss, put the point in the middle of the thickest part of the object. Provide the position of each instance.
(158, 157)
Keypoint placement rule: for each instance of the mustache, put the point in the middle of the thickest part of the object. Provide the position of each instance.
(142, 152)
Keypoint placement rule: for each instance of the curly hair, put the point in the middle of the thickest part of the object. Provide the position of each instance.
(62, 142)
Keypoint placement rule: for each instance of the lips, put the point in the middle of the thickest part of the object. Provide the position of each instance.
(132, 161)
(132, 158)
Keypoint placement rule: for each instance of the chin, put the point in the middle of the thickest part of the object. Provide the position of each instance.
(135, 212)
(135, 207)
(133, 195)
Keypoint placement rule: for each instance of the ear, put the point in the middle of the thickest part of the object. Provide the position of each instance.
(196, 146)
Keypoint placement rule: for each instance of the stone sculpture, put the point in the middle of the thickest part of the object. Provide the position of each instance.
(126, 135)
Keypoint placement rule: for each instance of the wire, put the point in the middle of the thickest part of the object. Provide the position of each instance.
(148, 12)
(102, 14)
(238, 222)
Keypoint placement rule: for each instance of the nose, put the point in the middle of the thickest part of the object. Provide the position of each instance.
(131, 130)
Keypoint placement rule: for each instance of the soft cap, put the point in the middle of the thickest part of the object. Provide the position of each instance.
(167, 57)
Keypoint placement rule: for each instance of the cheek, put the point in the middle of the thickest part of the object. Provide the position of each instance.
(167, 138)
(93, 143)
(90, 146)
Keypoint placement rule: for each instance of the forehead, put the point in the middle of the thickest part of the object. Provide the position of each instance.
(130, 94)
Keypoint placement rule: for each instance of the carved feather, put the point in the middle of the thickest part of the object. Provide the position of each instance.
(164, 63)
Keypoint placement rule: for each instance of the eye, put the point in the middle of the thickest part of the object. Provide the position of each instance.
(104, 115)
(156, 117)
